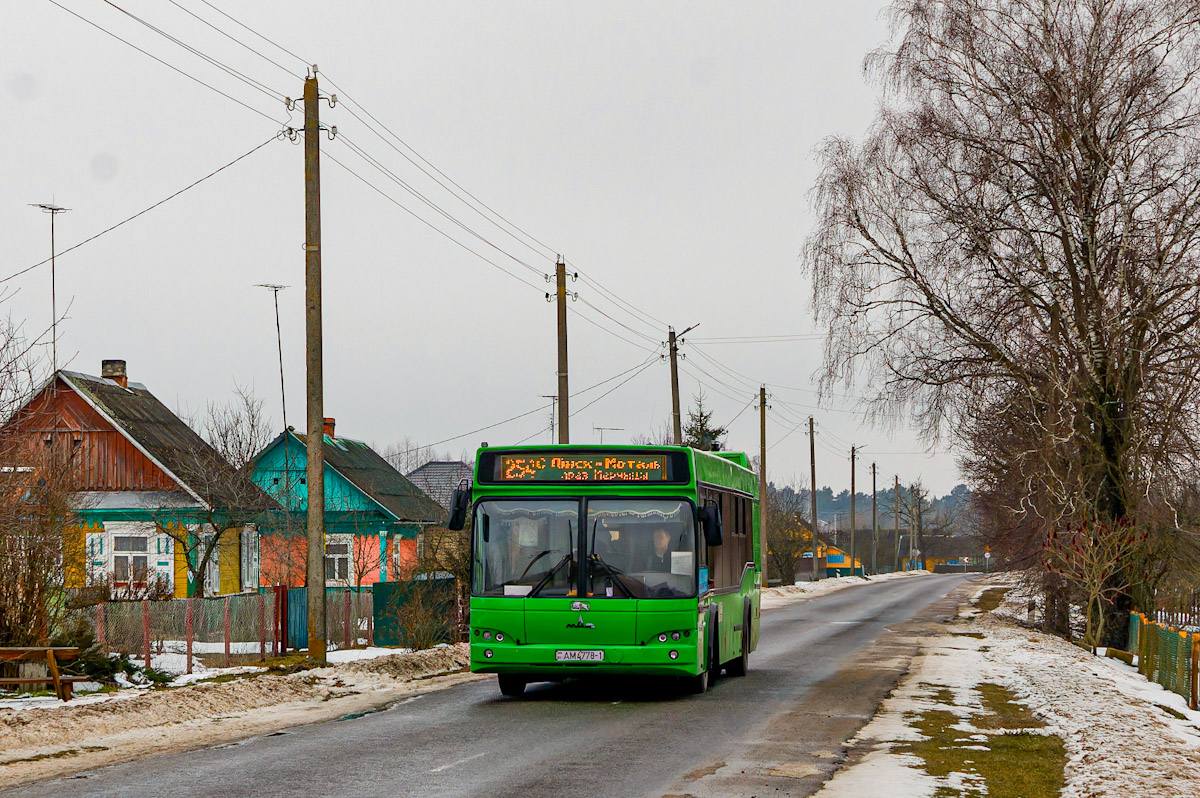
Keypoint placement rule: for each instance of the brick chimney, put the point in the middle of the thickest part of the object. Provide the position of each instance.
(328, 425)
(115, 371)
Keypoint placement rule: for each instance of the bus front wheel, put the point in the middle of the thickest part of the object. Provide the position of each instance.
(511, 685)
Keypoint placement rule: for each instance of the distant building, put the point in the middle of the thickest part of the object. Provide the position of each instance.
(439, 478)
(149, 493)
(373, 514)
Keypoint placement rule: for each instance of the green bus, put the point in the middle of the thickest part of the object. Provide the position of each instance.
(603, 560)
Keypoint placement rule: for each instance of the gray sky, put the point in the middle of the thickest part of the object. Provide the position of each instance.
(666, 149)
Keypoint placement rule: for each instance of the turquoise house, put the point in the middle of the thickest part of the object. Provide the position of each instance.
(373, 514)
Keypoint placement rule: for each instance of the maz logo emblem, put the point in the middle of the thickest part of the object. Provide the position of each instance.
(580, 606)
(581, 625)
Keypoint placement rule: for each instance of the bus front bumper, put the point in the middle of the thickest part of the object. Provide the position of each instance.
(544, 660)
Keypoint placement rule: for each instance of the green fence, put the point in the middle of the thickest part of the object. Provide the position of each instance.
(1166, 655)
(417, 614)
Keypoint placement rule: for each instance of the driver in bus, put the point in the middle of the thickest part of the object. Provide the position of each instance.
(660, 557)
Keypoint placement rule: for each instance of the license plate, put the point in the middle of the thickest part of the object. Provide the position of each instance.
(579, 656)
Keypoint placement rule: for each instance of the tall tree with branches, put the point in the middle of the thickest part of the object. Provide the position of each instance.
(1016, 240)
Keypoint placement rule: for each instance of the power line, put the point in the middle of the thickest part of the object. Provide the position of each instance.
(462, 194)
(482, 257)
(164, 63)
(639, 368)
(249, 81)
(256, 33)
(739, 413)
(360, 152)
(644, 366)
(432, 226)
(143, 211)
(234, 39)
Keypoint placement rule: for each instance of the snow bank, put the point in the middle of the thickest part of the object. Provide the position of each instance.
(1118, 743)
(58, 725)
(803, 591)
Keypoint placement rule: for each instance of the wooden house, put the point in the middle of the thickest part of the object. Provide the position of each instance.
(373, 514)
(150, 497)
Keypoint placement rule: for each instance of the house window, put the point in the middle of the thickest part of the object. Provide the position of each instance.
(249, 551)
(212, 569)
(130, 561)
(337, 558)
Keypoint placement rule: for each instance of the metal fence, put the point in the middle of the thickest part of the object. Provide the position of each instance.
(1166, 655)
(349, 617)
(175, 633)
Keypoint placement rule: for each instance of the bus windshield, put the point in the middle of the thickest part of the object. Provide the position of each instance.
(525, 547)
(641, 548)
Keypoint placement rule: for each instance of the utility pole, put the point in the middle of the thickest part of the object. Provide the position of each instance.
(812, 466)
(853, 516)
(315, 378)
(912, 522)
(564, 416)
(763, 513)
(874, 523)
(53, 210)
(673, 342)
(896, 521)
(920, 531)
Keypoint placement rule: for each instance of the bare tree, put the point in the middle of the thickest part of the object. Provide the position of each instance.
(1089, 558)
(662, 435)
(220, 474)
(238, 430)
(788, 535)
(1016, 239)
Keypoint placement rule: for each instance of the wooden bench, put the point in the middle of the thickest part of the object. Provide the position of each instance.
(63, 685)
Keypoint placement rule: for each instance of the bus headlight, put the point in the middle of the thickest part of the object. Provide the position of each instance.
(662, 638)
(487, 635)
(499, 637)
(488, 653)
(674, 635)
(674, 654)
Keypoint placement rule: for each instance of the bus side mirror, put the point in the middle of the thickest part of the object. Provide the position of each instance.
(459, 501)
(710, 519)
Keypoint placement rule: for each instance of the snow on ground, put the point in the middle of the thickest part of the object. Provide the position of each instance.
(1118, 743)
(803, 591)
(104, 731)
(355, 654)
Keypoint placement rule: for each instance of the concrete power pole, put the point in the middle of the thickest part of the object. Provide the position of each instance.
(896, 522)
(564, 414)
(763, 514)
(912, 524)
(874, 523)
(812, 466)
(673, 342)
(853, 515)
(314, 389)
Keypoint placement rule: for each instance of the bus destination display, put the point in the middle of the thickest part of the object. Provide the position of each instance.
(576, 467)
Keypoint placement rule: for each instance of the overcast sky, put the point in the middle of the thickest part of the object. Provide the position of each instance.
(665, 149)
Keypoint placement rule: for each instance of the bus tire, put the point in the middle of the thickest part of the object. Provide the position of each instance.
(511, 685)
(739, 666)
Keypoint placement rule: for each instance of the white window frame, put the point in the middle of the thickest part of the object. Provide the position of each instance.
(212, 573)
(348, 557)
(159, 551)
(248, 545)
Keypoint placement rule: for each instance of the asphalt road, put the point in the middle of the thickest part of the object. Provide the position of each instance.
(809, 686)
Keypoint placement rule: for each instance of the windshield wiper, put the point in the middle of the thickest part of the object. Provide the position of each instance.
(616, 574)
(566, 558)
(531, 562)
